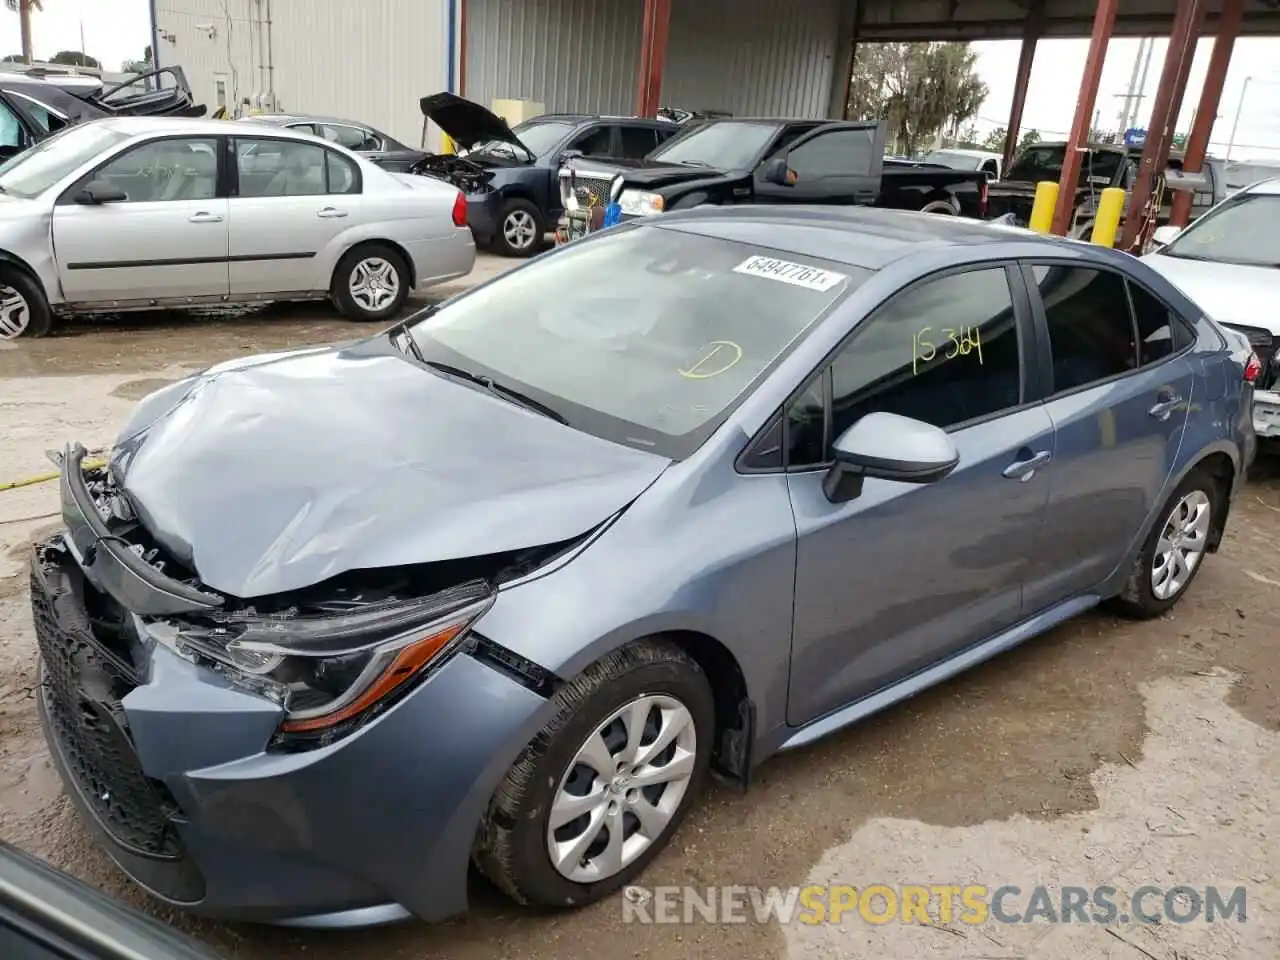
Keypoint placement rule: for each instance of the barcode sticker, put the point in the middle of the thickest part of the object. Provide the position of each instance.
(784, 271)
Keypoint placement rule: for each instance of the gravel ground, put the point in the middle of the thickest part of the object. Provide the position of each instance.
(1104, 752)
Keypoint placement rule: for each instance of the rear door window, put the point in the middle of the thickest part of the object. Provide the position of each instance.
(1091, 332)
(638, 142)
(1161, 332)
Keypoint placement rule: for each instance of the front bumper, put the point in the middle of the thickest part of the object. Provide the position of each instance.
(174, 771)
(1266, 414)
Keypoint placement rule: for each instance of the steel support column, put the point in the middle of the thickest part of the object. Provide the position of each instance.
(1164, 117)
(1210, 99)
(1104, 21)
(653, 56)
(1035, 25)
(842, 66)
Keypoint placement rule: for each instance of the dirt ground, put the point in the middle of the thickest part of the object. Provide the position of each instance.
(1104, 752)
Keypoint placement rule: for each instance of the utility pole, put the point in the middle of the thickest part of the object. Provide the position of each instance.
(1130, 106)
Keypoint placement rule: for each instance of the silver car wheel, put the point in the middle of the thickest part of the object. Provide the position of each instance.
(15, 313)
(374, 284)
(519, 229)
(622, 788)
(1181, 545)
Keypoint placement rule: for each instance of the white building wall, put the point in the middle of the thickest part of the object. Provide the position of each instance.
(367, 60)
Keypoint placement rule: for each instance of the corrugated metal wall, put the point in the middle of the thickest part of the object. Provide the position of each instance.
(369, 60)
(752, 57)
(571, 55)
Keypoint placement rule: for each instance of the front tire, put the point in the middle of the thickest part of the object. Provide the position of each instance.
(370, 283)
(520, 229)
(24, 309)
(1174, 551)
(601, 790)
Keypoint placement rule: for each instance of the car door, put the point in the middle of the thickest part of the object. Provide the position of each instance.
(286, 207)
(166, 239)
(831, 165)
(905, 575)
(1119, 389)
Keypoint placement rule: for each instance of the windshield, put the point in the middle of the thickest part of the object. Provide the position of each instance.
(726, 145)
(956, 161)
(657, 357)
(1045, 163)
(31, 173)
(1244, 230)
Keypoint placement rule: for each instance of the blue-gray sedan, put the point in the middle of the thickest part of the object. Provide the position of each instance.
(505, 583)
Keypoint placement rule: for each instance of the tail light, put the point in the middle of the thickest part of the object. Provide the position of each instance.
(982, 200)
(459, 210)
(1252, 369)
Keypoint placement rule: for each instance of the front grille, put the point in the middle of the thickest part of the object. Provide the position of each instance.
(592, 191)
(82, 684)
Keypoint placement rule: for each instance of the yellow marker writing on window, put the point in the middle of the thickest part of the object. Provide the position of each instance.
(959, 342)
(722, 355)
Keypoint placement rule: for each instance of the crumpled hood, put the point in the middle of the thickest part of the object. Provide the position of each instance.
(1229, 293)
(275, 473)
(465, 121)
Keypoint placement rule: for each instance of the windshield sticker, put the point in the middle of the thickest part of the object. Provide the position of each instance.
(723, 355)
(797, 274)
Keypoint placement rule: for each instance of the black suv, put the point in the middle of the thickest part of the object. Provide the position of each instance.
(510, 175)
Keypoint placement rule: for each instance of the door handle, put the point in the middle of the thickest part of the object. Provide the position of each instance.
(1024, 470)
(329, 213)
(1165, 407)
(203, 217)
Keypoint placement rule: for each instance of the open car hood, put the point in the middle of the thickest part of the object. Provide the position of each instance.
(278, 472)
(466, 122)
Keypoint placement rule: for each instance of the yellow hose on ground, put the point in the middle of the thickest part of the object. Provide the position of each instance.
(46, 477)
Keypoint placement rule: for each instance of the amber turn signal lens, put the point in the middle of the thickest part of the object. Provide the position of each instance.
(407, 662)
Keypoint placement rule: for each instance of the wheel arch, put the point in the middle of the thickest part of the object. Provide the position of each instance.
(376, 241)
(18, 263)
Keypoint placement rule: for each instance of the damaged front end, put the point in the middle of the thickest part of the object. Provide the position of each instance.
(467, 175)
(331, 656)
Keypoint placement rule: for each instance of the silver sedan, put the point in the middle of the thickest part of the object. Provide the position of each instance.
(138, 213)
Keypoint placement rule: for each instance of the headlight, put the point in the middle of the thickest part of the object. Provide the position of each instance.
(325, 670)
(638, 203)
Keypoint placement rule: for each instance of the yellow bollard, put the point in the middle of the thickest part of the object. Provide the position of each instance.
(1042, 209)
(1106, 222)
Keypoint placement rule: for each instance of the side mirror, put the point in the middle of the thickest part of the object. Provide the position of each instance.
(776, 171)
(886, 446)
(99, 191)
(1163, 236)
(570, 155)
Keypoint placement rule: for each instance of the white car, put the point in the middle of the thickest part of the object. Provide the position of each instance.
(136, 213)
(1228, 262)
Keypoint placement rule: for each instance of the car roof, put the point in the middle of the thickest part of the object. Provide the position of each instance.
(865, 237)
(194, 126)
(279, 119)
(1269, 187)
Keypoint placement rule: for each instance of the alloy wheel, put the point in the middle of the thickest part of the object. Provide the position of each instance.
(622, 788)
(15, 313)
(374, 284)
(519, 229)
(1181, 545)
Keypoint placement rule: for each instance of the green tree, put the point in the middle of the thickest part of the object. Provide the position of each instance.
(14, 58)
(1029, 137)
(995, 139)
(74, 58)
(920, 89)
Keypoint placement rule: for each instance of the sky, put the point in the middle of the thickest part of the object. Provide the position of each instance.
(119, 30)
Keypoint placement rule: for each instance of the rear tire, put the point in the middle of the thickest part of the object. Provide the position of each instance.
(24, 309)
(370, 283)
(648, 694)
(1175, 549)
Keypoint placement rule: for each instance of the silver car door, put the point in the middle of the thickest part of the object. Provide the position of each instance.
(167, 237)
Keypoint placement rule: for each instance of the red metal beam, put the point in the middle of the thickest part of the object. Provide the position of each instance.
(1164, 117)
(1103, 23)
(1026, 57)
(653, 56)
(1210, 98)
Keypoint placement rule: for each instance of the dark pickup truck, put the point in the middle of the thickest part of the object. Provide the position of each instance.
(729, 161)
(1103, 165)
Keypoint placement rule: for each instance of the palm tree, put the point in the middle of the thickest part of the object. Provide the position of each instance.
(24, 8)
